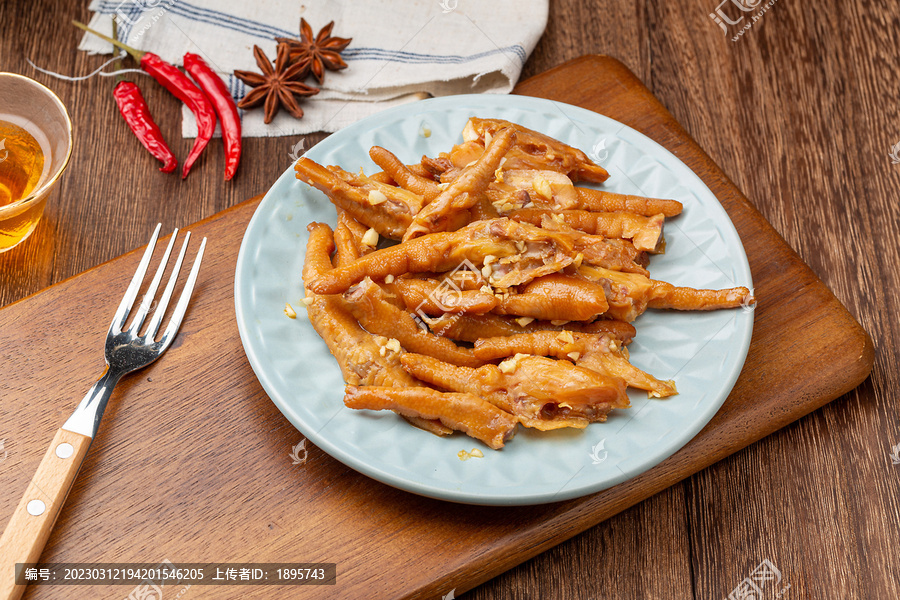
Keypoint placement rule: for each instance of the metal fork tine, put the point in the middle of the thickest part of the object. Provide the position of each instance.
(185, 298)
(124, 309)
(167, 293)
(125, 352)
(147, 300)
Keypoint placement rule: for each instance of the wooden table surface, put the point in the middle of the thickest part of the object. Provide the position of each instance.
(800, 111)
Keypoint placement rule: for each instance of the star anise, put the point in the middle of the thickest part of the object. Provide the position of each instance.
(275, 87)
(320, 52)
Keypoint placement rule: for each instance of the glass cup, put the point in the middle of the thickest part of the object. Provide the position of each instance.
(35, 146)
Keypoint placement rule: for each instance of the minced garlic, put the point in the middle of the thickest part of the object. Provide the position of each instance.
(377, 197)
(475, 453)
(566, 336)
(508, 366)
(370, 238)
(542, 187)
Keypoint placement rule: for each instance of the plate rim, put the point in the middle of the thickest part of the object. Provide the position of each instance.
(473, 102)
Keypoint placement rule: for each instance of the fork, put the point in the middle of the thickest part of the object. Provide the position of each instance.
(126, 351)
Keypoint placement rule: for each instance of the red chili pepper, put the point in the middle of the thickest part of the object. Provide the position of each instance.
(180, 86)
(136, 113)
(214, 88)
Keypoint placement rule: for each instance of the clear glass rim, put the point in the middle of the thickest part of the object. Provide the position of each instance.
(51, 181)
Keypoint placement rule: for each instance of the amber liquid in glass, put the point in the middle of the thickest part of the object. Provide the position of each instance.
(22, 163)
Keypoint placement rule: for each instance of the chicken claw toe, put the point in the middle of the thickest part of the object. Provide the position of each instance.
(463, 412)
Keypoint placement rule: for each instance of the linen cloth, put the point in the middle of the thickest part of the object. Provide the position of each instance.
(402, 50)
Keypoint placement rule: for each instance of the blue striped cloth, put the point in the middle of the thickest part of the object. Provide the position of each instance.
(401, 50)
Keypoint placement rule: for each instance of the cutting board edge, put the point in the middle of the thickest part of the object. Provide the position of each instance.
(98, 267)
(479, 573)
(509, 557)
(622, 72)
(505, 558)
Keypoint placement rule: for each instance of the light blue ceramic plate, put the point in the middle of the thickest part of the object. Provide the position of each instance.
(702, 352)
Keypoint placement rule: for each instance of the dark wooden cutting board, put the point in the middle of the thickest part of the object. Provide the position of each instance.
(192, 461)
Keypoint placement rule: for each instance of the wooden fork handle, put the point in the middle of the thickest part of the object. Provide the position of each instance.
(31, 523)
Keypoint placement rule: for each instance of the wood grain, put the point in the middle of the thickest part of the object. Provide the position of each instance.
(322, 504)
(800, 113)
(26, 532)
